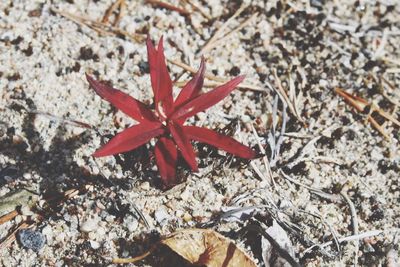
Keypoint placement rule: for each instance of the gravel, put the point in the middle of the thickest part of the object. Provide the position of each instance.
(119, 208)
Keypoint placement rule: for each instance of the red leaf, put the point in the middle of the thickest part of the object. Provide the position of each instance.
(206, 100)
(127, 104)
(183, 144)
(193, 87)
(221, 141)
(166, 158)
(130, 138)
(160, 79)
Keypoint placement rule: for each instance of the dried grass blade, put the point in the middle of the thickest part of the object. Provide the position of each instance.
(209, 76)
(221, 30)
(117, 4)
(169, 6)
(282, 93)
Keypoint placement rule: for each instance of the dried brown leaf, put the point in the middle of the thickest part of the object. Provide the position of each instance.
(207, 247)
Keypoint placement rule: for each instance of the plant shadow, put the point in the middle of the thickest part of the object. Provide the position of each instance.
(55, 166)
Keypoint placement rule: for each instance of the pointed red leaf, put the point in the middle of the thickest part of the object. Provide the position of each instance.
(160, 79)
(206, 100)
(166, 158)
(127, 104)
(130, 138)
(220, 141)
(152, 58)
(193, 87)
(183, 144)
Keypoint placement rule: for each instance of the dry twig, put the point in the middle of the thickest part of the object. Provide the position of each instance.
(218, 34)
(209, 76)
(361, 105)
(169, 6)
(265, 158)
(8, 217)
(12, 237)
(352, 238)
(198, 8)
(224, 38)
(354, 220)
(100, 27)
(121, 12)
(291, 102)
(331, 197)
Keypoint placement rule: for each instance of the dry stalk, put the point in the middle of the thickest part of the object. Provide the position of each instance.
(8, 217)
(324, 222)
(121, 12)
(61, 120)
(352, 238)
(12, 237)
(265, 158)
(354, 220)
(291, 102)
(220, 32)
(166, 5)
(133, 260)
(331, 197)
(99, 27)
(198, 8)
(272, 135)
(385, 94)
(209, 76)
(360, 104)
(224, 38)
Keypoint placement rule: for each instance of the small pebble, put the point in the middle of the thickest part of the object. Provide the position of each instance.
(131, 223)
(101, 231)
(323, 83)
(16, 139)
(89, 226)
(145, 186)
(187, 217)
(185, 195)
(25, 210)
(27, 176)
(31, 239)
(161, 216)
(94, 244)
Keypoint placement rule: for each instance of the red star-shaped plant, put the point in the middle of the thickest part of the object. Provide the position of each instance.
(167, 122)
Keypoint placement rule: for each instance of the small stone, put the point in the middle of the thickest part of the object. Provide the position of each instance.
(94, 244)
(161, 215)
(187, 217)
(27, 176)
(92, 236)
(323, 83)
(185, 195)
(26, 211)
(16, 139)
(101, 231)
(179, 213)
(89, 226)
(31, 239)
(131, 223)
(110, 218)
(145, 186)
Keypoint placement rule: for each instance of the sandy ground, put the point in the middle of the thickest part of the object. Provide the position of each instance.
(327, 174)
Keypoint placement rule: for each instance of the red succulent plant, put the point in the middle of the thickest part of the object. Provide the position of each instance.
(167, 121)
